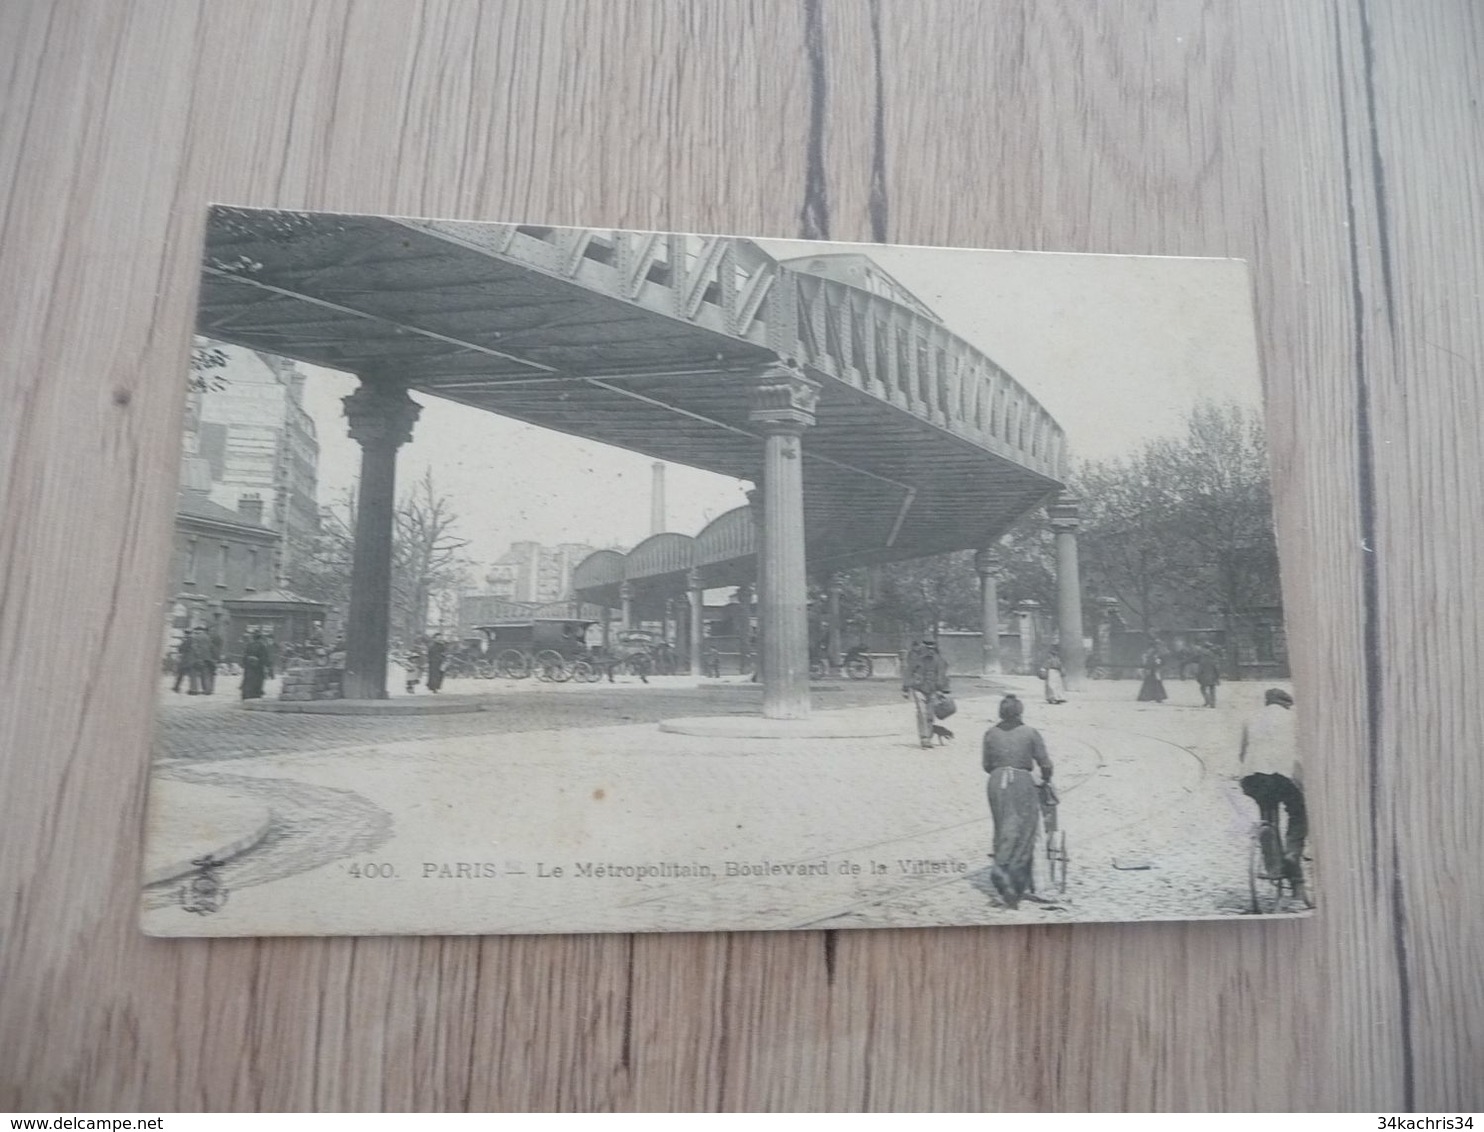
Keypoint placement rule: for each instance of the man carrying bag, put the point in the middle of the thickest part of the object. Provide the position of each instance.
(925, 679)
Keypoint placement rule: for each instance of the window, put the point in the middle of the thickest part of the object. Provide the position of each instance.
(221, 564)
(190, 563)
(252, 569)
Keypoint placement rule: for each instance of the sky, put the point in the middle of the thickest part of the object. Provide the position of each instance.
(1117, 348)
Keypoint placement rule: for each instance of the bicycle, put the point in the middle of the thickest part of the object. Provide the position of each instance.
(552, 667)
(1057, 857)
(1267, 872)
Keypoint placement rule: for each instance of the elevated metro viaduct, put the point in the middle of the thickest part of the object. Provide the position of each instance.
(872, 431)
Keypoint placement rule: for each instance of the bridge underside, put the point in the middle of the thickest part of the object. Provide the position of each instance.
(872, 432)
(380, 297)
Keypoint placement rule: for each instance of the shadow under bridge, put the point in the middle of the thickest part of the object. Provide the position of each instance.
(916, 442)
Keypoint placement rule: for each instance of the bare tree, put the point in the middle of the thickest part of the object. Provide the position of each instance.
(427, 556)
(324, 573)
(428, 566)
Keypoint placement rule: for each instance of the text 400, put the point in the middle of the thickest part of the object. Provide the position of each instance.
(371, 870)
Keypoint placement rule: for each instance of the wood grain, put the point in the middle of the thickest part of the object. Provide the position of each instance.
(1337, 145)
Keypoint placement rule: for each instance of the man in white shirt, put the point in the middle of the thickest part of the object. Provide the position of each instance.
(1272, 775)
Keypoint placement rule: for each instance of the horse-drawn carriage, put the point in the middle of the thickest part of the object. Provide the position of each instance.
(549, 648)
(640, 653)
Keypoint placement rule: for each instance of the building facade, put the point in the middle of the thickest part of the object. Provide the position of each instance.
(533, 573)
(221, 555)
(527, 576)
(249, 434)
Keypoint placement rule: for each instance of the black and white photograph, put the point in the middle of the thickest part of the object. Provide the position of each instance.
(534, 579)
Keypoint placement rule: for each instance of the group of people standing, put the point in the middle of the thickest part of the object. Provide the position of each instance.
(199, 655)
(197, 658)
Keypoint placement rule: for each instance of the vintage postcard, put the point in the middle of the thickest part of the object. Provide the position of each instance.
(532, 579)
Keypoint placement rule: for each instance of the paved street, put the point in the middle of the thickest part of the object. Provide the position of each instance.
(563, 808)
(215, 727)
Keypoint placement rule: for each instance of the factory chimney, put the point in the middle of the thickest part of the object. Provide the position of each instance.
(657, 499)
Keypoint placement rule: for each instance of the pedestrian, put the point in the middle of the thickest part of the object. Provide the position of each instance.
(1208, 675)
(711, 664)
(1272, 776)
(1052, 677)
(412, 666)
(257, 665)
(1153, 688)
(924, 679)
(1011, 749)
(437, 655)
(210, 660)
(185, 660)
(200, 661)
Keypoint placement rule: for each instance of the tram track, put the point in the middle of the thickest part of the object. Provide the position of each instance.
(1063, 792)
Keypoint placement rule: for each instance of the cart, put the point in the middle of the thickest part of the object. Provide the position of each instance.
(550, 648)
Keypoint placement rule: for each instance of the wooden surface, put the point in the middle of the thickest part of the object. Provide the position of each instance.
(1337, 145)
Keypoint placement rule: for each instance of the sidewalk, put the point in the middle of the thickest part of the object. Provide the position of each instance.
(627, 828)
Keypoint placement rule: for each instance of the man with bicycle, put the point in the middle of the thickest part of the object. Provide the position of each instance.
(1272, 776)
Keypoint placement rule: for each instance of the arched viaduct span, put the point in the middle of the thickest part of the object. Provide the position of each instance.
(873, 431)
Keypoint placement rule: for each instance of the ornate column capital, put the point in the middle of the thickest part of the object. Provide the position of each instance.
(693, 578)
(783, 400)
(988, 561)
(380, 415)
(1065, 513)
(625, 591)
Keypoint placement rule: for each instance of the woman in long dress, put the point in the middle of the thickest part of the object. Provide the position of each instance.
(1153, 688)
(1055, 684)
(257, 666)
(1011, 749)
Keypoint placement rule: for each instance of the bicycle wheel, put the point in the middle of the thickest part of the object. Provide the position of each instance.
(1057, 858)
(484, 669)
(859, 668)
(552, 665)
(818, 669)
(1264, 881)
(583, 672)
(513, 664)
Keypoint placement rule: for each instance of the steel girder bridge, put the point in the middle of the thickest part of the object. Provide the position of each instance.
(874, 433)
